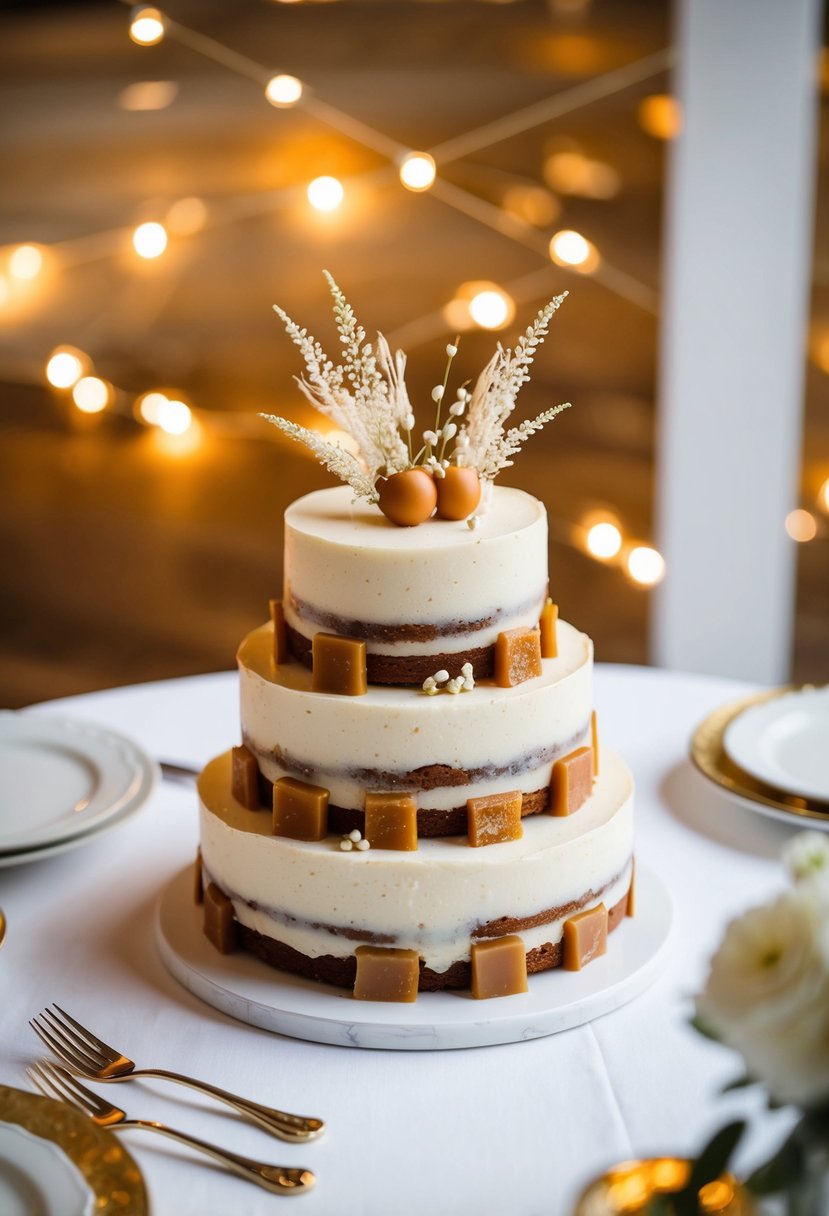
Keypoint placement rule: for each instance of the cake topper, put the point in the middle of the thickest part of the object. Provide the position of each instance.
(366, 396)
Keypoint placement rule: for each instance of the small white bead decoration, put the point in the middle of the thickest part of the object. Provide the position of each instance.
(355, 834)
(441, 676)
(408, 422)
(472, 522)
(450, 430)
(430, 437)
(437, 392)
(457, 408)
(454, 686)
(362, 845)
(346, 845)
(451, 350)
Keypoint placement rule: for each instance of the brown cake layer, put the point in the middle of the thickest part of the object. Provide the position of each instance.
(405, 669)
(341, 972)
(430, 822)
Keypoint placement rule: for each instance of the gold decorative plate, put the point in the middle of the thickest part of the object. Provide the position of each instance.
(106, 1166)
(628, 1189)
(709, 756)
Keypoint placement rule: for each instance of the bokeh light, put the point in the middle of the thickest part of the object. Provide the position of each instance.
(801, 525)
(533, 204)
(575, 174)
(603, 540)
(149, 405)
(492, 308)
(148, 95)
(823, 496)
(283, 91)
(417, 171)
(174, 417)
(325, 193)
(645, 566)
(146, 25)
(660, 116)
(149, 240)
(65, 366)
(569, 248)
(26, 262)
(186, 216)
(91, 395)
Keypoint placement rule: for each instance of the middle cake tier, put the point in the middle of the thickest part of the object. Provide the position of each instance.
(442, 749)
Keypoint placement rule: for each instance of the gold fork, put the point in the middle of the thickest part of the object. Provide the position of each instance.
(88, 1056)
(55, 1081)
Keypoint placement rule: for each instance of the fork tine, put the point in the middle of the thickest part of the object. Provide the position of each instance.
(109, 1053)
(72, 1090)
(51, 1082)
(64, 1049)
(73, 1041)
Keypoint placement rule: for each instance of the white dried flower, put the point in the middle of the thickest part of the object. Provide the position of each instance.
(355, 835)
(335, 458)
(437, 392)
(457, 408)
(430, 437)
(451, 350)
(362, 845)
(449, 431)
(408, 422)
(346, 845)
(806, 857)
(441, 676)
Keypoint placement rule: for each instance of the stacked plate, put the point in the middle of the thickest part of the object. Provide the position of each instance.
(771, 753)
(63, 782)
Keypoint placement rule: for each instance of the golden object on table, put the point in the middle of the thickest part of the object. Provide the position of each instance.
(107, 1168)
(628, 1188)
(710, 757)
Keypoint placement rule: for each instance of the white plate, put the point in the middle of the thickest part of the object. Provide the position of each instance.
(785, 742)
(37, 1179)
(63, 778)
(246, 988)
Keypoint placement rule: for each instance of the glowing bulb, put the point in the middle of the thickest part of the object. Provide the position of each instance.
(26, 262)
(148, 95)
(660, 116)
(568, 248)
(65, 367)
(150, 240)
(186, 216)
(823, 495)
(604, 540)
(492, 309)
(417, 171)
(91, 395)
(148, 407)
(801, 525)
(174, 417)
(325, 193)
(146, 26)
(645, 565)
(283, 91)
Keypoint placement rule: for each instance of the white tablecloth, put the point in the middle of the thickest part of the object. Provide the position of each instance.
(517, 1129)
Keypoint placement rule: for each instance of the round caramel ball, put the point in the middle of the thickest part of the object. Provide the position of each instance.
(459, 493)
(408, 498)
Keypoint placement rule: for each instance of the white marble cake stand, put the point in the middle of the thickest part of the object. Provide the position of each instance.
(246, 988)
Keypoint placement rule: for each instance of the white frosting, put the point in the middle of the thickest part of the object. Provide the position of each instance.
(429, 900)
(348, 560)
(332, 738)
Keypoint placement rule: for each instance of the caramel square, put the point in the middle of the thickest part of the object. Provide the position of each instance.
(386, 974)
(494, 818)
(219, 922)
(572, 781)
(517, 656)
(584, 938)
(548, 631)
(244, 780)
(499, 967)
(594, 739)
(338, 665)
(391, 821)
(280, 633)
(300, 810)
(198, 882)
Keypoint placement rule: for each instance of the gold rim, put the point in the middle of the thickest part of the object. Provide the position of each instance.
(710, 757)
(107, 1168)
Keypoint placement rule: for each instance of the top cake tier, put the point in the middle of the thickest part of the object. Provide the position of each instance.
(421, 598)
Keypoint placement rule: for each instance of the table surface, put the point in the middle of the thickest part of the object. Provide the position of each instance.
(516, 1129)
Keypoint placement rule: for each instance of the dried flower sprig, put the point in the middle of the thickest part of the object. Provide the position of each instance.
(335, 458)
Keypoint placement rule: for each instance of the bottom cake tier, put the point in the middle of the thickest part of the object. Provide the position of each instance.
(308, 907)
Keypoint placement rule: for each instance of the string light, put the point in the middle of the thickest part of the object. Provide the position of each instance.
(148, 407)
(325, 193)
(823, 496)
(569, 248)
(660, 116)
(91, 395)
(26, 262)
(283, 91)
(801, 525)
(603, 540)
(174, 417)
(146, 25)
(150, 240)
(492, 308)
(417, 171)
(645, 566)
(65, 366)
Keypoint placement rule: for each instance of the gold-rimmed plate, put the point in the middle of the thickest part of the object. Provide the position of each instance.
(42, 1138)
(710, 757)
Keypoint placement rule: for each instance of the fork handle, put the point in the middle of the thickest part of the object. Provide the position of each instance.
(280, 1179)
(296, 1129)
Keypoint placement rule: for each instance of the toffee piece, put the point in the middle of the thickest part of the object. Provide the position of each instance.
(386, 974)
(391, 821)
(499, 967)
(584, 938)
(548, 631)
(494, 818)
(594, 739)
(338, 665)
(517, 656)
(300, 810)
(219, 922)
(244, 784)
(572, 781)
(280, 632)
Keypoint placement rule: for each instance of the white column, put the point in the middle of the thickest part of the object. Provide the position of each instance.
(733, 342)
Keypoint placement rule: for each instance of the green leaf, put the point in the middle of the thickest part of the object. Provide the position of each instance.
(660, 1205)
(739, 1083)
(781, 1170)
(711, 1162)
(702, 1027)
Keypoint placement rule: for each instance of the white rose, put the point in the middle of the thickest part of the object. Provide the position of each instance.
(806, 857)
(767, 994)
